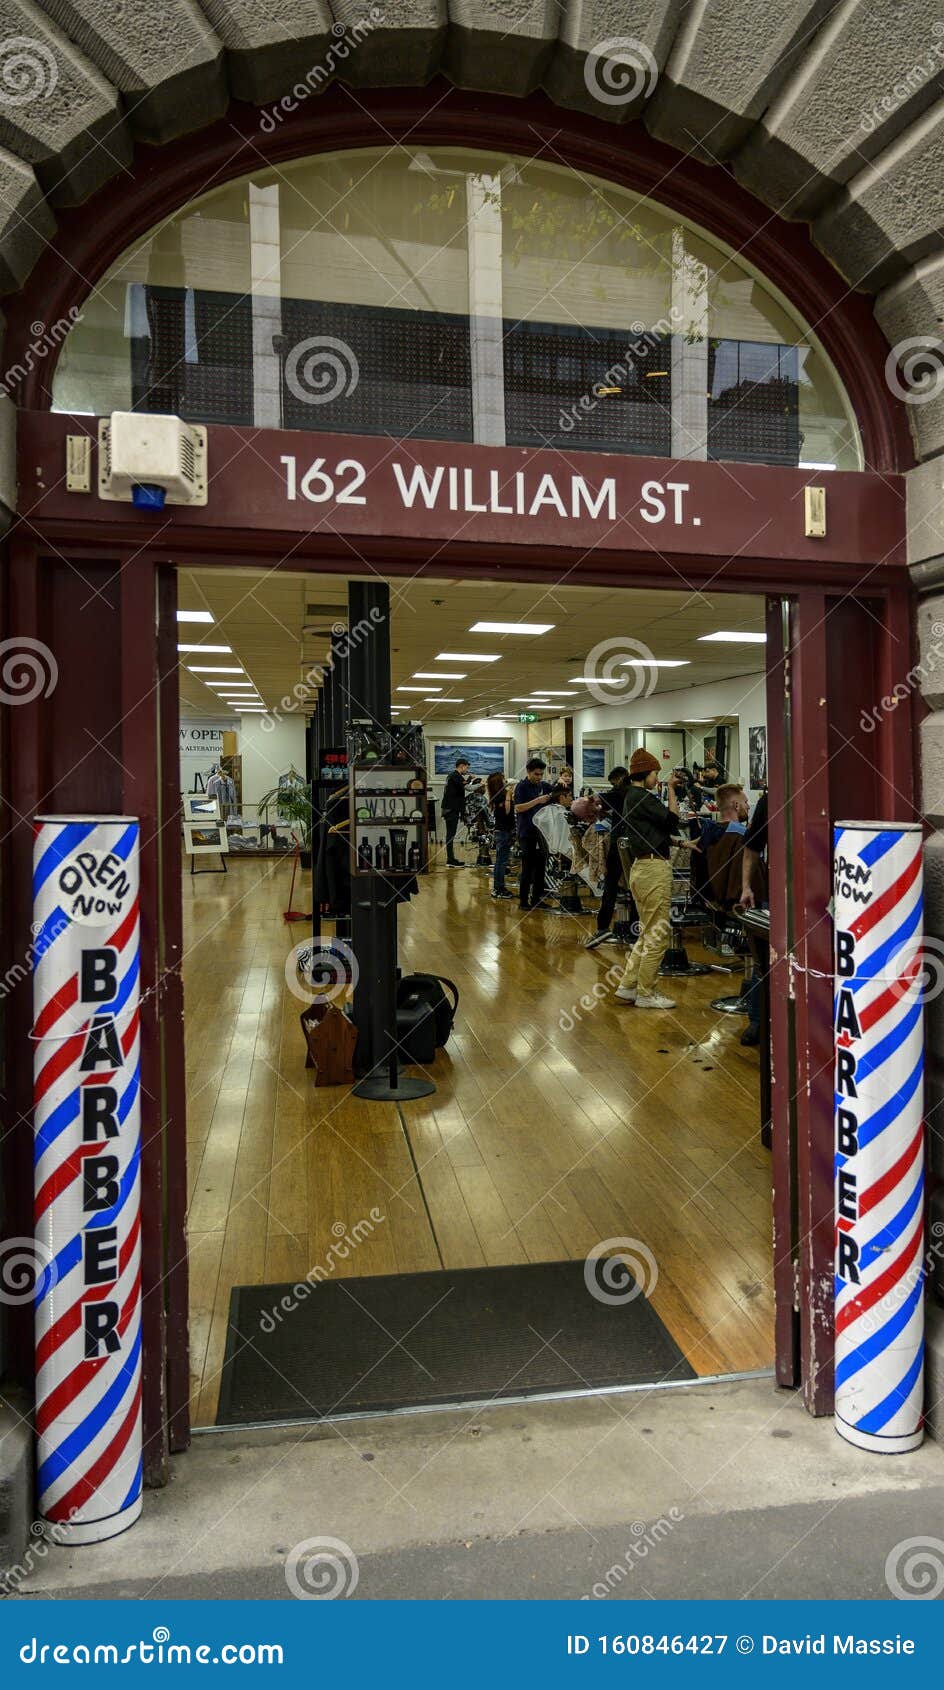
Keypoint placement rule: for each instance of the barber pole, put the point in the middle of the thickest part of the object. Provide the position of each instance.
(879, 1155)
(87, 1120)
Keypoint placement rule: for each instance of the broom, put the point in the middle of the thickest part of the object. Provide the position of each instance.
(290, 914)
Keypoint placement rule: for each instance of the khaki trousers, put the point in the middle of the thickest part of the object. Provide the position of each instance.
(650, 882)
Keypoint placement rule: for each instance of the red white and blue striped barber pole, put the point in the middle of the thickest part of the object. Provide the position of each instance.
(87, 1120)
(879, 1151)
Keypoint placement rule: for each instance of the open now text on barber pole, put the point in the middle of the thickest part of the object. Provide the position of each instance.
(87, 1143)
(879, 1134)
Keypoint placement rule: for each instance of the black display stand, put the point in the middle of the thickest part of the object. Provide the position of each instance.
(222, 870)
(374, 896)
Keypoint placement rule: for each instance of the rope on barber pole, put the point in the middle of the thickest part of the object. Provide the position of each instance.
(87, 1176)
(879, 1157)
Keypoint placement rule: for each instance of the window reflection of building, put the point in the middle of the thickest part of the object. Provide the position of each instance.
(450, 297)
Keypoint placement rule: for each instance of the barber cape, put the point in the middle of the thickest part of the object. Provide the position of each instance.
(551, 821)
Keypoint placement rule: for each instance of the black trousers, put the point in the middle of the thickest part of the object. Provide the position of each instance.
(531, 881)
(612, 875)
(451, 819)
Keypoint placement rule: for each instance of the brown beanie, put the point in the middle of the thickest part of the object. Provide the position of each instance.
(642, 763)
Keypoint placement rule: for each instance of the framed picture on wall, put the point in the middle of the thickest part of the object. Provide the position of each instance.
(483, 756)
(593, 762)
(757, 757)
(199, 808)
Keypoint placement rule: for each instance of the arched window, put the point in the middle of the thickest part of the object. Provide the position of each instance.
(457, 295)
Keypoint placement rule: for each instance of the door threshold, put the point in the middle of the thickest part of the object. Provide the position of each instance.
(518, 1401)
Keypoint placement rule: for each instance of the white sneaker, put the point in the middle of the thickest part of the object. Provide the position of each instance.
(655, 1000)
(625, 995)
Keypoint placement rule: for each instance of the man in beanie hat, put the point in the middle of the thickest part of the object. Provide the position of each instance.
(645, 832)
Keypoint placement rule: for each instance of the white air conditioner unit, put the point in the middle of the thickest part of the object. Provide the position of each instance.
(136, 450)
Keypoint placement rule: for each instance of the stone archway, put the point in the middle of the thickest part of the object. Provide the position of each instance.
(820, 116)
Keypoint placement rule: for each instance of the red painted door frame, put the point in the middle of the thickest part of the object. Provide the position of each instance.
(821, 584)
(873, 639)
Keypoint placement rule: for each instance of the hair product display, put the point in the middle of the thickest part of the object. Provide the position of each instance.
(382, 853)
(398, 849)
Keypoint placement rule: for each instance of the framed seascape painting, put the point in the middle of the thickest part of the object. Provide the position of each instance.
(483, 756)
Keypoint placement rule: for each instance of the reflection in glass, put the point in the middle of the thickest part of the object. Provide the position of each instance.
(456, 295)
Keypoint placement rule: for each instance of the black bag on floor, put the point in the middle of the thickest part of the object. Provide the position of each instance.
(424, 1015)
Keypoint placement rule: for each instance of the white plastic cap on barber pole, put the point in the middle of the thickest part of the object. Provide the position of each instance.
(879, 1134)
(87, 1125)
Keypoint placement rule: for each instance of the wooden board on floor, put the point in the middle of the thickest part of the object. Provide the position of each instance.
(561, 1119)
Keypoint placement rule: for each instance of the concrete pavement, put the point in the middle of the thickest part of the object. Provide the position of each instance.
(725, 1490)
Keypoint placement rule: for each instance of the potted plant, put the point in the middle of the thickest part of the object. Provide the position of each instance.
(292, 804)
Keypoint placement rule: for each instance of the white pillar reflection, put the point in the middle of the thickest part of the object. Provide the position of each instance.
(689, 352)
(265, 272)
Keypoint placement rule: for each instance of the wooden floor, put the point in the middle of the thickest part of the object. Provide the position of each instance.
(554, 1126)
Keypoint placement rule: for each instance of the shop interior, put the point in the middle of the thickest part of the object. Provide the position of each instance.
(560, 1123)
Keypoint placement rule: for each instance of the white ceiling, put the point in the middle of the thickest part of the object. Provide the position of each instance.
(262, 617)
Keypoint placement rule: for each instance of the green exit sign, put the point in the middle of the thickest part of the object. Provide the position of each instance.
(527, 715)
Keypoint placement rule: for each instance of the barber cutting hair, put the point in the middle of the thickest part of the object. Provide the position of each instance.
(647, 831)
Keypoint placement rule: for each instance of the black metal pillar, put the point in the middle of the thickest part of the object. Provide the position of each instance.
(373, 897)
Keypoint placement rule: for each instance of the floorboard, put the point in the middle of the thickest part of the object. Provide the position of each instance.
(561, 1119)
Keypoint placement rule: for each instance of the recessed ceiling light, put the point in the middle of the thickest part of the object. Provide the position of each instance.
(550, 692)
(194, 616)
(215, 669)
(204, 648)
(445, 701)
(436, 675)
(515, 699)
(511, 627)
(228, 686)
(418, 689)
(733, 638)
(464, 657)
(594, 681)
(654, 662)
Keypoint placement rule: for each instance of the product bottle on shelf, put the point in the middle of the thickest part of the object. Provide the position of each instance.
(365, 856)
(414, 859)
(382, 853)
(398, 848)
